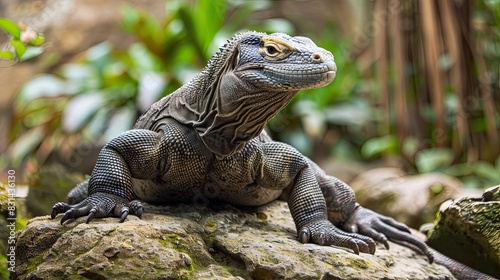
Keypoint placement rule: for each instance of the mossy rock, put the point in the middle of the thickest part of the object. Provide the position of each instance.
(468, 230)
(185, 242)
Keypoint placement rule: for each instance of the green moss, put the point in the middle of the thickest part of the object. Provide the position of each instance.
(34, 262)
(163, 242)
(174, 241)
(4, 270)
(468, 231)
(210, 226)
(269, 258)
(360, 263)
(356, 263)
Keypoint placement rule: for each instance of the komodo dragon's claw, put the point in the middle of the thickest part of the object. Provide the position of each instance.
(382, 229)
(323, 232)
(98, 206)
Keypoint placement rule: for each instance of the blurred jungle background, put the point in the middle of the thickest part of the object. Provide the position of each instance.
(418, 85)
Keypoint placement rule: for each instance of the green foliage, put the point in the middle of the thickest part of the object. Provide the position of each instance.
(477, 174)
(380, 145)
(4, 269)
(10, 27)
(433, 159)
(23, 41)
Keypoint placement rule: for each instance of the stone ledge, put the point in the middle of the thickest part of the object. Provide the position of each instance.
(185, 242)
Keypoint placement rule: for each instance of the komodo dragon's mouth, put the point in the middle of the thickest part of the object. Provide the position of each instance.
(332, 69)
(293, 68)
(316, 74)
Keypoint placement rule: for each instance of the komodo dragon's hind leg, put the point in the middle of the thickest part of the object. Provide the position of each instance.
(344, 212)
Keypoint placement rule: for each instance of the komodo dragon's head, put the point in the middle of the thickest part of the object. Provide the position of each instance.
(279, 62)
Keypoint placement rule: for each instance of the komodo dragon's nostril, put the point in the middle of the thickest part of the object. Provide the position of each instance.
(317, 57)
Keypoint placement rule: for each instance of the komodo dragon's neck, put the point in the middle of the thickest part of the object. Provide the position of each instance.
(230, 101)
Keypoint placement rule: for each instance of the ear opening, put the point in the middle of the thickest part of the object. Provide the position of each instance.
(236, 58)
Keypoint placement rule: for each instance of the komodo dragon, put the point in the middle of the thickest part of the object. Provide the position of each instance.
(207, 140)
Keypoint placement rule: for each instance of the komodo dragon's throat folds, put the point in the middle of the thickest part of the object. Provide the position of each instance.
(209, 134)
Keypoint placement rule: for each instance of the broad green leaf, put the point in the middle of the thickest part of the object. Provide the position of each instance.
(40, 39)
(497, 164)
(6, 54)
(345, 150)
(44, 85)
(97, 124)
(377, 146)
(433, 159)
(32, 52)
(40, 111)
(492, 3)
(19, 47)
(98, 52)
(279, 25)
(143, 59)
(151, 86)
(349, 113)
(410, 146)
(459, 170)
(487, 171)
(123, 119)
(26, 144)
(208, 18)
(80, 109)
(11, 28)
(77, 72)
(130, 18)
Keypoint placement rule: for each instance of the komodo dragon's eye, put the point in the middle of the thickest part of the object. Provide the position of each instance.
(273, 49)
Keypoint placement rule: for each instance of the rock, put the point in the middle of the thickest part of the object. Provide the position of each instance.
(412, 200)
(468, 230)
(491, 194)
(11, 218)
(4, 230)
(49, 185)
(182, 241)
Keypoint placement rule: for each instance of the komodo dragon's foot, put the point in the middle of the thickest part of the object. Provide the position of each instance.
(382, 229)
(98, 205)
(323, 232)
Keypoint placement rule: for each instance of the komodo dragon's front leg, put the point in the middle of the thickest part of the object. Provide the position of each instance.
(284, 167)
(309, 212)
(135, 153)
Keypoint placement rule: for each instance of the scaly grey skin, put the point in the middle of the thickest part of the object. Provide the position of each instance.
(206, 141)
